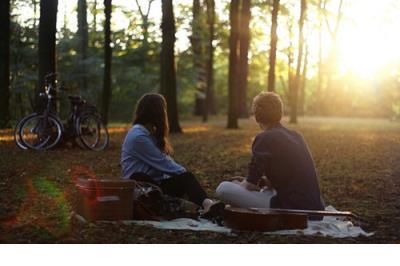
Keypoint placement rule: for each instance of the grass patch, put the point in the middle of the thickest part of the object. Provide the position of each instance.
(55, 202)
(47, 187)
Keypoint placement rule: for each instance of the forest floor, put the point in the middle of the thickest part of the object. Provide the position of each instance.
(357, 162)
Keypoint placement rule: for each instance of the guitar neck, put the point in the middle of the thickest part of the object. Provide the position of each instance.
(308, 212)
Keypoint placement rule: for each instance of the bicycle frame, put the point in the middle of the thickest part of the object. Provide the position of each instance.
(69, 128)
(46, 122)
(49, 89)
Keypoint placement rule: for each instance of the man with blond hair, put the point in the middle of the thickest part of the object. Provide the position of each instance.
(281, 160)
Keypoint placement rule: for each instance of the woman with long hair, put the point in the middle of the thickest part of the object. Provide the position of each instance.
(146, 152)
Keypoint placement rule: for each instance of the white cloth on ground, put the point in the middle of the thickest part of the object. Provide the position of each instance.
(230, 193)
(329, 226)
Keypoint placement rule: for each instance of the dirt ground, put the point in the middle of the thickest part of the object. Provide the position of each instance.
(357, 162)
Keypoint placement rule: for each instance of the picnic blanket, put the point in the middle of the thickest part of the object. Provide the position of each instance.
(329, 226)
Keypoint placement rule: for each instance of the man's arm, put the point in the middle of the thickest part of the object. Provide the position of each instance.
(256, 167)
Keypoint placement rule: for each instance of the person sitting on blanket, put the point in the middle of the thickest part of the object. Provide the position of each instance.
(281, 160)
(146, 154)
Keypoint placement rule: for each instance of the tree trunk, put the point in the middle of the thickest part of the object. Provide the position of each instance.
(290, 63)
(167, 65)
(94, 22)
(64, 29)
(195, 39)
(4, 63)
(83, 37)
(233, 65)
(95, 16)
(317, 97)
(145, 21)
(244, 40)
(35, 4)
(272, 50)
(331, 64)
(145, 30)
(107, 91)
(296, 85)
(47, 42)
(303, 82)
(198, 66)
(210, 100)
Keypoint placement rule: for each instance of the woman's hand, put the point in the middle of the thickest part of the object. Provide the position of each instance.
(249, 186)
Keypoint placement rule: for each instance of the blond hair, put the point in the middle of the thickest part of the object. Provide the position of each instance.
(267, 108)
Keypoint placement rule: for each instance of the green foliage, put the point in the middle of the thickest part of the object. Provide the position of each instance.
(23, 68)
(135, 63)
(396, 110)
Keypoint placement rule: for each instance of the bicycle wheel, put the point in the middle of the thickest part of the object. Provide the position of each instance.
(17, 131)
(39, 132)
(92, 132)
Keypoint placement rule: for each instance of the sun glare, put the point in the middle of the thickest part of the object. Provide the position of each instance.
(367, 41)
(362, 55)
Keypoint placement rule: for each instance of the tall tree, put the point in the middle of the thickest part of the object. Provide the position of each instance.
(335, 30)
(290, 60)
(244, 43)
(65, 30)
(47, 41)
(210, 101)
(302, 100)
(317, 96)
(83, 37)
(107, 91)
(233, 64)
(94, 11)
(167, 65)
(296, 85)
(331, 63)
(196, 40)
(273, 44)
(4, 63)
(35, 4)
(145, 22)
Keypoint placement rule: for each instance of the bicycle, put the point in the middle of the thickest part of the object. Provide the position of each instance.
(44, 130)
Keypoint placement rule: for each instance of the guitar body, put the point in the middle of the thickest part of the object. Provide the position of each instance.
(262, 220)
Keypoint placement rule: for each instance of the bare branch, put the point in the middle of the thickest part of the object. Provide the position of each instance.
(142, 14)
(148, 7)
(333, 32)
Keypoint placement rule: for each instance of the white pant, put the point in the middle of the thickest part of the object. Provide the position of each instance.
(237, 196)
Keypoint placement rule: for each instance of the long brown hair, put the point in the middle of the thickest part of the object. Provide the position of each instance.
(151, 111)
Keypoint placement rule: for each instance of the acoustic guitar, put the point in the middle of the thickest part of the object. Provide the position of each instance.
(257, 219)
